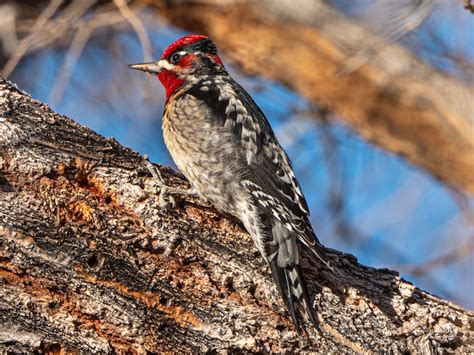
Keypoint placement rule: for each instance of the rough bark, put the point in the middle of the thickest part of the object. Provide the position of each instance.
(89, 262)
(393, 99)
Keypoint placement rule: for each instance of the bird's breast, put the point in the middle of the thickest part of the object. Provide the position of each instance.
(204, 152)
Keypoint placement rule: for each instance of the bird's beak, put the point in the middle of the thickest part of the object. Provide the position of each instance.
(152, 67)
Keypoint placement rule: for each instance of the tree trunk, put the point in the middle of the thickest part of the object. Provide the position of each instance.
(389, 96)
(89, 262)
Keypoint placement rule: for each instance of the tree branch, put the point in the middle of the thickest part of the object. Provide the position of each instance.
(89, 262)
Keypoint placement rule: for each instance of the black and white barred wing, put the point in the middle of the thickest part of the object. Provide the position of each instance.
(275, 188)
(269, 174)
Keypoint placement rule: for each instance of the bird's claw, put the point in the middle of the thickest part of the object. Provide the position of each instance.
(153, 171)
(166, 198)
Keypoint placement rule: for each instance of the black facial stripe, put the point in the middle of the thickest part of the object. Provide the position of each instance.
(203, 46)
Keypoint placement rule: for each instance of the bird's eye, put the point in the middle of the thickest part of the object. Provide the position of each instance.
(175, 58)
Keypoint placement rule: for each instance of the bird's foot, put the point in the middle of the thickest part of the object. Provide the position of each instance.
(166, 192)
(166, 195)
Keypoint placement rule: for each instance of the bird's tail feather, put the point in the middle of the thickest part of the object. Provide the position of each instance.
(292, 287)
(319, 251)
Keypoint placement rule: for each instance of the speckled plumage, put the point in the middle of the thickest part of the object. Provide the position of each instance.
(222, 142)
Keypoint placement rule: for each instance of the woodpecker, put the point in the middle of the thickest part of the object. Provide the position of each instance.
(222, 142)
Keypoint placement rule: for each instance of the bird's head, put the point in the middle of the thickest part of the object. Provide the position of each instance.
(185, 59)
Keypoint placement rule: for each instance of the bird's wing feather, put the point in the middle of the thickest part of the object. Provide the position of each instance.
(270, 175)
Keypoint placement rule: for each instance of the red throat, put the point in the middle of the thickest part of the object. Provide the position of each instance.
(170, 82)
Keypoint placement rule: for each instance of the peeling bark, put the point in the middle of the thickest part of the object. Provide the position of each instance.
(393, 99)
(88, 262)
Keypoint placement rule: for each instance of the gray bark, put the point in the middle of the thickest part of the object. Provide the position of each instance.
(89, 262)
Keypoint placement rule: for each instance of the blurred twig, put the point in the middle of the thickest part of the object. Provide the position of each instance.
(454, 255)
(8, 35)
(463, 204)
(138, 26)
(338, 188)
(26, 42)
(47, 29)
(468, 5)
(402, 22)
(142, 35)
(77, 46)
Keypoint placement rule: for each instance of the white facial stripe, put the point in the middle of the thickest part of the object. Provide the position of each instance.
(164, 64)
(182, 52)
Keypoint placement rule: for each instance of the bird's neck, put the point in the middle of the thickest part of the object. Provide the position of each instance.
(170, 81)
